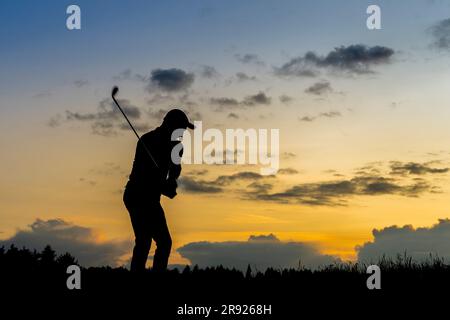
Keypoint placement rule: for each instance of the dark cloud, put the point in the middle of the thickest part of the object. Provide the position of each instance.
(108, 118)
(319, 88)
(286, 99)
(80, 241)
(209, 72)
(337, 193)
(170, 80)
(257, 99)
(199, 172)
(244, 175)
(259, 251)
(414, 168)
(354, 59)
(224, 103)
(259, 187)
(288, 171)
(242, 76)
(441, 34)
(189, 184)
(55, 121)
(249, 58)
(330, 114)
(419, 244)
(233, 115)
(269, 237)
(307, 119)
(140, 127)
(107, 110)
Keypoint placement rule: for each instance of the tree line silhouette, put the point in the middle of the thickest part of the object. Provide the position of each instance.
(43, 274)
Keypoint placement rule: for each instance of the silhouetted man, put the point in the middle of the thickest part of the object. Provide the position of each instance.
(148, 181)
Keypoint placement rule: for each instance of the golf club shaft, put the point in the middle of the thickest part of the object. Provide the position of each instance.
(137, 135)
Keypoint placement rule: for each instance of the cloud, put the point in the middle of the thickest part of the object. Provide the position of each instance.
(353, 59)
(417, 243)
(170, 80)
(258, 187)
(157, 114)
(225, 103)
(244, 175)
(88, 182)
(127, 74)
(55, 121)
(259, 251)
(288, 155)
(337, 193)
(257, 99)
(330, 114)
(242, 76)
(367, 181)
(307, 119)
(414, 168)
(81, 242)
(287, 171)
(285, 99)
(107, 119)
(80, 83)
(233, 115)
(441, 34)
(107, 110)
(249, 58)
(199, 172)
(42, 94)
(189, 184)
(209, 72)
(142, 127)
(319, 88)
(107, 169)
(124, 75)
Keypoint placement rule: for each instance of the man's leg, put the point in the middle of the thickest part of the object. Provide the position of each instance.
(143, 238)
(162, 238)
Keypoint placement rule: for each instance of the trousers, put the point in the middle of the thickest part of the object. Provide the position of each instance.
(149, 223)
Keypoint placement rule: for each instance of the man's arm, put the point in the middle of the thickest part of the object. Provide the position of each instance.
(170, 188)
(175, 169)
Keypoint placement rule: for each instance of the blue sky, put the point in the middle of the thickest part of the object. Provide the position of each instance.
(145, 34)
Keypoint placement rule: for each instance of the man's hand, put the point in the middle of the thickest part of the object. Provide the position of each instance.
(170, 188)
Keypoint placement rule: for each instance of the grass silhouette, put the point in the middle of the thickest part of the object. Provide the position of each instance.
(42, 275)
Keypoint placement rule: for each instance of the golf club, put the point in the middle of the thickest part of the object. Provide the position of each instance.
(113, 94)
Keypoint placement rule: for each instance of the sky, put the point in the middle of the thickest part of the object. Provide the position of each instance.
(362, 115)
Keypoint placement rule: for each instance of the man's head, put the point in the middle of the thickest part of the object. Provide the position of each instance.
(177, 119)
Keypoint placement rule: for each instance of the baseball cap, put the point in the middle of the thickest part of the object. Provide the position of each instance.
(178, 118)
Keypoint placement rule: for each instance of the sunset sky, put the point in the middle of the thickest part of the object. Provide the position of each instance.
(363, 117)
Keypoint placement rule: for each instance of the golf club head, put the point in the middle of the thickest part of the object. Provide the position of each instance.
(114, 91)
